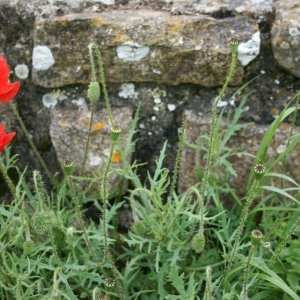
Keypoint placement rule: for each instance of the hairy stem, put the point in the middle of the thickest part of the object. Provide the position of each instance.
(32, 145)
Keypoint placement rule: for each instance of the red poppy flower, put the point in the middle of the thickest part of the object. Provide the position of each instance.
(5, 138)
(8, 90)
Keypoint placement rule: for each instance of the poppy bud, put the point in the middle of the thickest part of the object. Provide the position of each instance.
(94, 91)
(139, 227)
(69, 168)
(259, 170)
(234, 44)
(28, 246)
(198, 242)
(115, 133)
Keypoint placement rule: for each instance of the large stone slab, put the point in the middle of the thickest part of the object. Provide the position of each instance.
(247, 140)
(139, 46)
(286, 36)
(257, 8)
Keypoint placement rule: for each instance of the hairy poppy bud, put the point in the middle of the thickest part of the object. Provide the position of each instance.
(198, 242)
(28, 246)
(259, 170)
(139, 227)
(41, 222)
(115, 133)
(69, 168)
(94, 91)
(234, 44)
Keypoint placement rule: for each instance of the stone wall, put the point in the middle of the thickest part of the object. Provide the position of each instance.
(171, 56)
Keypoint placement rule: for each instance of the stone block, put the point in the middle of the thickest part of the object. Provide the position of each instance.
(247, 140)
(139, 46)
(69, 129)
(286, 36)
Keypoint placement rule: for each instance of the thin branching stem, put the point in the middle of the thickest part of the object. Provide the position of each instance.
(32, 145)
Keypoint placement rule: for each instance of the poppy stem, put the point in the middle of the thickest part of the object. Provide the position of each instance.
(32, 145)
(10, 184)
(87, 141)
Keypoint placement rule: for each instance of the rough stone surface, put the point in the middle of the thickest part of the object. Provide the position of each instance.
(141, 46)
(68, 131)
(162, 105)
(286, 36)
(247, 140)
(222, 7)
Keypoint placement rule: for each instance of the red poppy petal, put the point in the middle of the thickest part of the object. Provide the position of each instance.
(10, 92)
(6, 139)
(4, 69)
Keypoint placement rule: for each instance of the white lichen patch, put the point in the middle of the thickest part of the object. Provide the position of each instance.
(42, 58)
(157, 100)
(94, 160)
(285, 45)
(108, 2)
(49, 100)
(222, 103)
(22, 71)
(249, 50)
(156, 71)
(294, 31)
(80, 103)
(281, 148)
(128, 91)
(171, 107)
(131, 51)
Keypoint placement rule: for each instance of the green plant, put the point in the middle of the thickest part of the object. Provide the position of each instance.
(180, 246)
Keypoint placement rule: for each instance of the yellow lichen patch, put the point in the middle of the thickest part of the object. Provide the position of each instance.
(62, 21)
(275, 111)
(86, 122)
(97, 21)
(98, 126)
(116, 157)
(63, 122)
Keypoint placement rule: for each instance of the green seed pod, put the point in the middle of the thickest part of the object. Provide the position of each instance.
(41, 222)
(115, 133)
(139, 227)
(94, 91)
(28, 246)
(109, 282)
(259, 170)
(68, 168)
(234, 44)
(198, 242)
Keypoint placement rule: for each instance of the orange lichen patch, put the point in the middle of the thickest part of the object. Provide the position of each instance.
(62, 21)
(63, 122)
(275, 111)
(98, 126)
(86, 122)
(116, 157)
(97, 21)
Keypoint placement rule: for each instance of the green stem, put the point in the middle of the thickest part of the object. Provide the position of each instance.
(246, 274)
(282, 244)
(243, 219)
(88, 140)
(81, 222)
(32, 145)
(178, 159)
(212, 138)
(104, 198)
(103, 81)
(10, 184)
